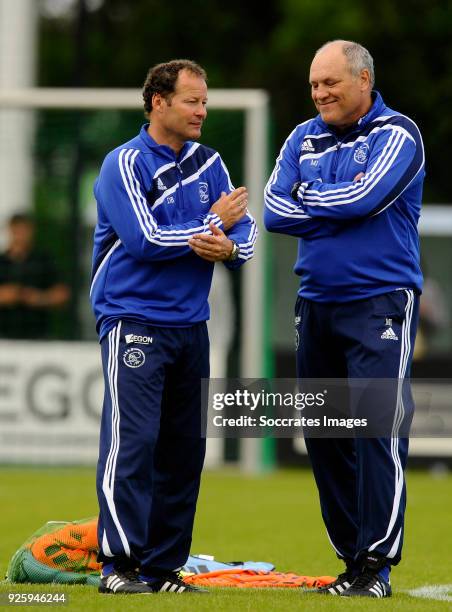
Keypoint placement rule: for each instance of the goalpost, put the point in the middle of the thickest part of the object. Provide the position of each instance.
(254, 104)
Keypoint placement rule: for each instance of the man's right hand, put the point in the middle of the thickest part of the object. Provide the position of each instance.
(231, 208)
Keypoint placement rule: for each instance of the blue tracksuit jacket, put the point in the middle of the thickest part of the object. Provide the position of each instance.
(358, 238)
(150, 203)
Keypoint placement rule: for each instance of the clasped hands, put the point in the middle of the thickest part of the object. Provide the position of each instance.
(217, 246)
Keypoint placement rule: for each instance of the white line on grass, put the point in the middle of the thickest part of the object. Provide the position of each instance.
(442, 592)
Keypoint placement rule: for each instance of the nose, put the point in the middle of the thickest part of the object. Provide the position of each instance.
(201, 111)
(320, 93)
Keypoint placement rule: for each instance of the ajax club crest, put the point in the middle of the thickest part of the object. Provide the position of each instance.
(361, 153)
(204, 193)
(134, 357)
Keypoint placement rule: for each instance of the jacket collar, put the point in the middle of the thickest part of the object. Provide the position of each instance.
(375, 110)
(163, 150)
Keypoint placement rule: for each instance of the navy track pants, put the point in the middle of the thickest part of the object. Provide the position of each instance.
(151, 449)
(360, 480)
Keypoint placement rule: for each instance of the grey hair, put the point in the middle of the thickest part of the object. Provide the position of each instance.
(358, 58)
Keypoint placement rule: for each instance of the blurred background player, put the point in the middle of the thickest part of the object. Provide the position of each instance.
(30, 285)
(433, 315)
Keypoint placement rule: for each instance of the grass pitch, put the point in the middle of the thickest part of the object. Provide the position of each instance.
(273, 518)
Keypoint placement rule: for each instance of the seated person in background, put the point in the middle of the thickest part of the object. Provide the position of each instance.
(433, 316)
(29, 284)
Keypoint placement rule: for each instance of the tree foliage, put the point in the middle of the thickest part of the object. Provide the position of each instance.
(268, 45)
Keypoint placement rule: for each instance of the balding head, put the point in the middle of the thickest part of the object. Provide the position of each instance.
(358, 57)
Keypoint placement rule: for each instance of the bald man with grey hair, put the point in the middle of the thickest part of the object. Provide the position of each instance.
(358, 57)
(348, 186)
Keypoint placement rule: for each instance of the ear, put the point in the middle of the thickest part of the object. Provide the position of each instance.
(365, 79)
(157, 102)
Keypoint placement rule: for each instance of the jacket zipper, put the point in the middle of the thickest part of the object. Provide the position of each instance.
(336, 159)
(181, 191)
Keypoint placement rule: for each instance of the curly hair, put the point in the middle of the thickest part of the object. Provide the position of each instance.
(161, 79)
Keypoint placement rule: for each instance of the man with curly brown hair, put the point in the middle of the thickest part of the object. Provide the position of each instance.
(167, 212)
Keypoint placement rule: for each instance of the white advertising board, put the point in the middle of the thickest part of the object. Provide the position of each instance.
(50, 402)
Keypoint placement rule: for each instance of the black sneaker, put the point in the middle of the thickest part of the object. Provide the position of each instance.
(342, 583)
(123, 581)
(173, 583)
(368, 584)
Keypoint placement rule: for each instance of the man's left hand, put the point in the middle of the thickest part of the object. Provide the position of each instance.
(215, 247)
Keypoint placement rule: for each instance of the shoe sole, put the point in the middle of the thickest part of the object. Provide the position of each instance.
(186, 592)
(365, 595)
(106, 591)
